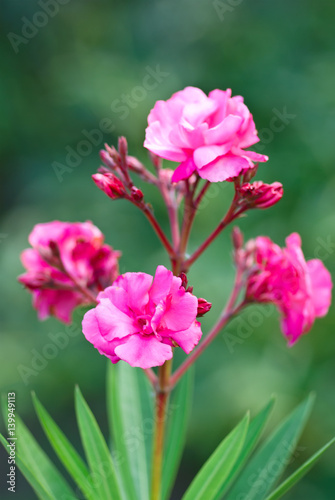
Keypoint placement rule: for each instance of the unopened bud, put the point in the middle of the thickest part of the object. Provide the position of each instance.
(237, 238)
(184, 280)
(261, 195)
(107, 159)
(110, 184)
(123, 147)
(203, 307)
(136, 194)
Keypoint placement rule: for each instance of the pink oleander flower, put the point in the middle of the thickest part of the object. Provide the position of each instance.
(140, 318)
(301, 290)
(66, 257)
(207, 135)
(260, 195)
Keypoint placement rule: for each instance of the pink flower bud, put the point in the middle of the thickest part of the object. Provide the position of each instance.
(237, 238)
(136, 194)
(107, 159)
(261, 195)
(123, 147)
(110, 184)
(203, 307)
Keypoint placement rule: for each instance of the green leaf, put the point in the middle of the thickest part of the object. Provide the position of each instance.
(178, 414)
(97, 452)
(40, 491)
(212, 475)
(298, 474)
(37, 461)
(255, 429)
(130, 409)
(267, 465)
(64, 449)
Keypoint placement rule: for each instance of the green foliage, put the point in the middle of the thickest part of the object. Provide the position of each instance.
(126, 470)
(177, 418)
(130, 412)
(212, 475)
(97, 452)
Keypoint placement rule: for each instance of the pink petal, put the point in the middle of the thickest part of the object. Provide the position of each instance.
(161, 284)
(207, 154)
(92, 333)
(137, 286)
(187, 339)
(112, 322)
(181, 312)
(255, 156)
(144, 351)
(321, 286)
(224, 131)
(225, 167)
(184, 170)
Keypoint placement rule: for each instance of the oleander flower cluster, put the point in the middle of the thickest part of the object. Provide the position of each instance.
(67, 263)
(301, 290)
(140, 318)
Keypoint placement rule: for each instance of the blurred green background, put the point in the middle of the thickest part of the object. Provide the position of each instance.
(73, 71)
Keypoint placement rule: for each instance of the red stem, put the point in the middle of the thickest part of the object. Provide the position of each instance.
(228, 312)
(229, 217)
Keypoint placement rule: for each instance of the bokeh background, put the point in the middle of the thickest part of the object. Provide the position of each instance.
(75, 69)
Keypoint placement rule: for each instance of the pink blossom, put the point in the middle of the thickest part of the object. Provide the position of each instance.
(140, 318)
(207, 135)
(65, 258)
(301, 290)
(260, 195)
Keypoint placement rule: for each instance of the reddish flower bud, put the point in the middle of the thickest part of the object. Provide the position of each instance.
(123, 147)
(136, 194)
(203, 307)
(107, 159)
(110, 184)
(261, 195)
(184, 280)
(237, 238)
(134, 164)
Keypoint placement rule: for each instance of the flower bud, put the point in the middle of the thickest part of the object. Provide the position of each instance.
(203, 307)
(110, 184)
(237, 238)
(123, 147)
(136, 194)
(107, 159)
(261, 195)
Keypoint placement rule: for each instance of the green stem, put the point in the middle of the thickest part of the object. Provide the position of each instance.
(162, 398)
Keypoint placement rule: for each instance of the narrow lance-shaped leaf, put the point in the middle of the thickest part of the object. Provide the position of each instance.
(38, 462)
(40, 491)
(298, 474)
(177, 417)
(255, 430)
(212, 475)
(267, 465)
(65, 451)
(130, 408)
(97, 452)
